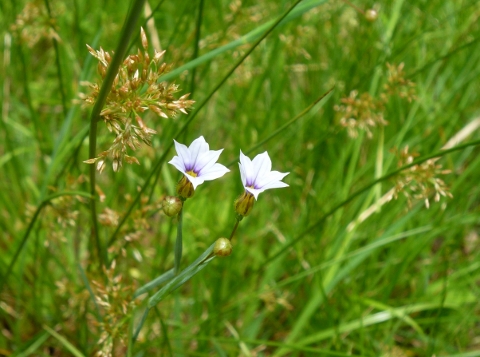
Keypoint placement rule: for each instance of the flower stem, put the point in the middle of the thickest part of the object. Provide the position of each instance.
(128, 29)
(234, 228)
(61, 86)
(178, 243)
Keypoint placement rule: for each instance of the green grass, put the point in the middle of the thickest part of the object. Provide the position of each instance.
(310, 273)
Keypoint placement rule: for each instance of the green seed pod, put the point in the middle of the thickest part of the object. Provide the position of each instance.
(371, 15)
(172, 206)
(222, 247)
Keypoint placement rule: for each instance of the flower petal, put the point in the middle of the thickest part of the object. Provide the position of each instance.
(246, 170)
(184, 154)
(254, 192)
(197, 148)
(261, 166)
(269, 178)
(179, 164)
(195, 180)
(199, 159)
(257, 176)
(214, 172)
(206, 160)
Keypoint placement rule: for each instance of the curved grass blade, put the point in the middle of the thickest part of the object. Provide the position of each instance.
(154, 283)
(71, 348)
(200, 263)
(253, 35)
(30, 227)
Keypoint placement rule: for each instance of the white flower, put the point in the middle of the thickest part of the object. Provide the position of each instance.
(257, 175)
(197, 162)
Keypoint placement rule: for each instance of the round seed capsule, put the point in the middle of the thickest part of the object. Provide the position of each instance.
(222, 247)
(371, 15)
(172, 206)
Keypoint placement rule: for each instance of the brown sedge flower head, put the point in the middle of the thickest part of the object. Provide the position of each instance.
(34, 24)
(365, 112)
(420, 182)
(360, 113)
(114, 298)
(135, 90)
(397, 84)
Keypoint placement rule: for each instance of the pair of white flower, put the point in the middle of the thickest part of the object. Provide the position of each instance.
(199, 164)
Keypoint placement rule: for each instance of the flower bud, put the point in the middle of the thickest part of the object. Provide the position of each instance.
(143, 36)
(185, 188)
(222, 247)
(172, 206)
(371, 15)
(244, 204)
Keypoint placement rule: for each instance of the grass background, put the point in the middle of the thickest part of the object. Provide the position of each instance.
(404, 282)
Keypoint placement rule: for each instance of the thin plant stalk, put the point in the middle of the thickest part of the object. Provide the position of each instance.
(178, 243)
(237, 221)
(61, 86)
(198, 27)
(128, 29)
(286, 125)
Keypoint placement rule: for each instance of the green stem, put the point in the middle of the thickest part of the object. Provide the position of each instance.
(38, 134)
(140, 324)
(128, 29)
(234, 229)
(198, 28)
(57, 62)
(17, 168)
(178, 243)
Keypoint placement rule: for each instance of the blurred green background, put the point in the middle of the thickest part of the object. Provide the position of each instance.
(309, 275)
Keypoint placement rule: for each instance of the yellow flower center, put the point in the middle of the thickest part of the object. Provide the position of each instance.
(191, 173)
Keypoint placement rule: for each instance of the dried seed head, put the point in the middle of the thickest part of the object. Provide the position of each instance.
(144, 39)
(420, 182)
(136, 89)
(363, 113)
